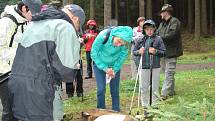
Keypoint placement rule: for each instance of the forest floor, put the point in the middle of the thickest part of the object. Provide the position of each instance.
(90, 84)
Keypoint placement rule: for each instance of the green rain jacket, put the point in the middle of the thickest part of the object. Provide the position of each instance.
(107, 55)
(170, 32)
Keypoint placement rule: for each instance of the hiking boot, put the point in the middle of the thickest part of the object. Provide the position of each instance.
(163, 97)
(79, 94)
(70, 95)
(145, 113)
(166, 97)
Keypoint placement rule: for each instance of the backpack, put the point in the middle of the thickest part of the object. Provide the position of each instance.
(18, 24)
(107, 35)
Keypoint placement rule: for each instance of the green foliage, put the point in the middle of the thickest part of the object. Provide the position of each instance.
(182, 111)
(3, 3)
(99, 10)
(195, 92)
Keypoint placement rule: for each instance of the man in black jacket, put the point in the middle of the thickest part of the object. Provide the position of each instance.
(169, 30)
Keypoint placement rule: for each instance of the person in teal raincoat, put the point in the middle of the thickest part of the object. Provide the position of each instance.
(108, 58)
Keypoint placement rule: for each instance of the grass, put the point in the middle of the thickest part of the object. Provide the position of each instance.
(195, 91)
(192, 88)
(191, 58)
(74, 106)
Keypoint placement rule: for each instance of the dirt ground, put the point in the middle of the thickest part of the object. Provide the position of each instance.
(90, 84)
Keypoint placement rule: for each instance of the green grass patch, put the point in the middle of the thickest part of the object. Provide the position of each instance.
(194, 100)
(189, 58)
(74, 106)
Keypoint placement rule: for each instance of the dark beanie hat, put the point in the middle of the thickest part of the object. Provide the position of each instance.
(33, 5)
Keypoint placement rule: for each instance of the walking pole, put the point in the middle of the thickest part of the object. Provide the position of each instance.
(151, 63)
(140, 66)
(137, 77)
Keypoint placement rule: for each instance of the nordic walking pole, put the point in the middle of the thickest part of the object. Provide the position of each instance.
(139, 92)
(138, 72)
(151, 63)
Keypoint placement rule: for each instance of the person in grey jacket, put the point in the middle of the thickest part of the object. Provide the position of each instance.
(12, 24)
(47, 54)
(169, 30)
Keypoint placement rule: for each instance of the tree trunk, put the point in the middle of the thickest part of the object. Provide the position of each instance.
(128, 12)
(65, 2)
(116, 10)
(197, 20)
(165, 1)
(204, 22)
(190, 15)
(149, 9)
(70, 1)
(211, 16)
(142, 8)
(107, 12)
(92, 9)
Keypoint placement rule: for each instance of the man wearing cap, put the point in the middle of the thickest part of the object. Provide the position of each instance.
(12, 24)
(169, 30)
(47, 54)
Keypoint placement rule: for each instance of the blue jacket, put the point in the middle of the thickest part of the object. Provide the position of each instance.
(107, 55)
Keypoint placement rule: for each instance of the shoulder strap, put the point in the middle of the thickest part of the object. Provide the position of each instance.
(12, 18)
(107, 36)
(16, 22)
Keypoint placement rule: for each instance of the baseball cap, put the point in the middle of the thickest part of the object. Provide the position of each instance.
(166, 7)
(149, 23)
(77, 11)
(33, 5)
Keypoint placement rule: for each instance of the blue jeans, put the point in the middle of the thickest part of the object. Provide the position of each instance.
(100, 76)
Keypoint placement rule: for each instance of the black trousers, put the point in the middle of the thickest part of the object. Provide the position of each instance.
(7, 114)
(70, 86)
(89, 64)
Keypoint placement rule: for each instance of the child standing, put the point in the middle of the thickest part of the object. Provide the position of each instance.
(151, 45)
(89, 38)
